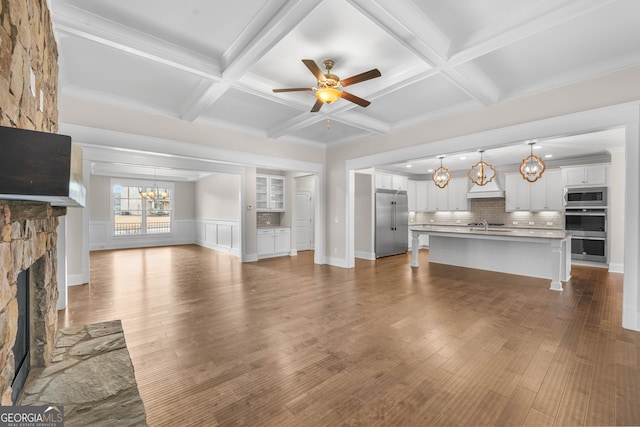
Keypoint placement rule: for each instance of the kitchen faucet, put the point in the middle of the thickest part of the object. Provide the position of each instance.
(486, 225)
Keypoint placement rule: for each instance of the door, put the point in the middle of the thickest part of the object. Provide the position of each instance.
(304, 221)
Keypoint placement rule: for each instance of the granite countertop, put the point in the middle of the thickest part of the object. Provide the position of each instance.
(493, 231)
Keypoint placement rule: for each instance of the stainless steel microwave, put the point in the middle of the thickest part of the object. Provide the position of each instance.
(585, 197)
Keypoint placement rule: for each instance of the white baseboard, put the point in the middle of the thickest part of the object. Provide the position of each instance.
(293, 252)
(77, 279)
(336, 262)
(616, 268)
(232, 251)
(250, 258)
(371, 256)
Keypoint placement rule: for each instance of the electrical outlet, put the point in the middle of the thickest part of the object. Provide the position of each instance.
(457, 221)
(549, 222)
(268, 222)
(515, 222)
(431, 220)
(532, 223)
(336, 219)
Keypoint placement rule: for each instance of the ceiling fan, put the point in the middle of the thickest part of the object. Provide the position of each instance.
(328, 90)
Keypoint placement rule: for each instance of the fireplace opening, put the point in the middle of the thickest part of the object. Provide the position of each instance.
(21, 349)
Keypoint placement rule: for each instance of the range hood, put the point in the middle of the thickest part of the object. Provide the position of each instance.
(40, 166)
(491, 190)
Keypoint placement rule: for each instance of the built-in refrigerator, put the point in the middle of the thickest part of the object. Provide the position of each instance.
(392, 222)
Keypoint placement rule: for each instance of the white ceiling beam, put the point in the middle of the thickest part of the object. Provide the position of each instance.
(201, 100)
(298, 122)
(266, 29)
(273, 22)
(403, 20)
(108, 33)
(538, 17)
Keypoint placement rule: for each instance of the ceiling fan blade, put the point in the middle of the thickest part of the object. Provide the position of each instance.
(355, 99)
(315, 70)
(367, 75)
(293, 89)
(316, 106)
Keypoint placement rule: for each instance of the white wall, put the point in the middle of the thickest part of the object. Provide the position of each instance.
(616, 211)
(364, 221)
(217, 197)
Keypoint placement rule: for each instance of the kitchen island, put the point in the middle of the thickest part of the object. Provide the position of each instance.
(537, 253)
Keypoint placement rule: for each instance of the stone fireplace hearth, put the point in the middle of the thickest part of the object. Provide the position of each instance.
(27, 242)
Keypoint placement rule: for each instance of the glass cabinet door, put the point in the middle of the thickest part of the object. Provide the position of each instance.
(262, 193)
(276, 193)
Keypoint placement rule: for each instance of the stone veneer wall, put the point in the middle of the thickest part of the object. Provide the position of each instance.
(28, 239)
(28, 242)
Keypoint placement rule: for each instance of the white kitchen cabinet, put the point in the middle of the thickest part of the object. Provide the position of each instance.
(517, 193)
(399, 182)
(265, 242)
(384, 180)
(411, 195)
(270, 193)
(391, 182)
(547, 192)
(585, 175)
(437, 198)
(417, 195)
(282, 243)
(421, 195)
(451, 198)
(273, 241)
(457, 198)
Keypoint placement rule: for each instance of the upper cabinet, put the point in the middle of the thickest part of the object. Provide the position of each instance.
(270, 193)
(417, 195)
(548, 195)
(391, 182)
(576, 176)
(543, 195)
(451, 198)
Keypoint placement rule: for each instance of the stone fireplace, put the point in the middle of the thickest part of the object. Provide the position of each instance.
(28, 100)
(28, 243)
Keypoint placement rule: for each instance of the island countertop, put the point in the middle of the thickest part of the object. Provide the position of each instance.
(492, 231)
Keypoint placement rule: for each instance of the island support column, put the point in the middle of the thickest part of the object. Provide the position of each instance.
(558, 263)
(415, 239)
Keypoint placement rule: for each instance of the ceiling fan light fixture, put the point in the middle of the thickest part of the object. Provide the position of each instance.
(328, 95)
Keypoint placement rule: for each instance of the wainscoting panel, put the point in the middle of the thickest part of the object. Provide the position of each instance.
(219, 235)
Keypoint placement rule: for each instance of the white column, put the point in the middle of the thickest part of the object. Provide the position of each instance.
(61, 273)
(557, 261)
(415, 247)
(630, 294)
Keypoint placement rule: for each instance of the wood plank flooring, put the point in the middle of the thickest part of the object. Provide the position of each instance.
(285, 342)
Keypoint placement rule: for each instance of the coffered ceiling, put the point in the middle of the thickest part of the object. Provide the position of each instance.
(218, 61)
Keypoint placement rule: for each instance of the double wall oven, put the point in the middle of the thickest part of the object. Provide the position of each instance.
(585, 217)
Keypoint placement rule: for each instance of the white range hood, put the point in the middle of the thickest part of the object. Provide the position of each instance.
(490, 190)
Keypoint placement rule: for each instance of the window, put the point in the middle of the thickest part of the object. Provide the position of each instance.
(134, 214)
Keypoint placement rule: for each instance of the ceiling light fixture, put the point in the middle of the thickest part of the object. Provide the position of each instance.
(478, 172)
(328, 95)
(154, 195)
(532, 166)
(441, 177)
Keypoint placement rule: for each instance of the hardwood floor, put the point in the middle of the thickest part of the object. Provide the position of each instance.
(285, 342)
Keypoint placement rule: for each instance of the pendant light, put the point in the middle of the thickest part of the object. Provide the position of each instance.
(532, 166)
(482, 172)
(441, 176)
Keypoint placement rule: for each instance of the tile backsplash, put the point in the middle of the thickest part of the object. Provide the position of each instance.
(267, 219)
(493, 211)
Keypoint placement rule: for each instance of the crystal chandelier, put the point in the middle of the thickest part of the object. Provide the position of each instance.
(154, 195)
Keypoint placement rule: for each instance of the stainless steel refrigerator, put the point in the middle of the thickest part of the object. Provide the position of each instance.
(392, 222)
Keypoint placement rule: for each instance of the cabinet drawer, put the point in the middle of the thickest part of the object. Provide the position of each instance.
(265, 232)
(280, 231)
